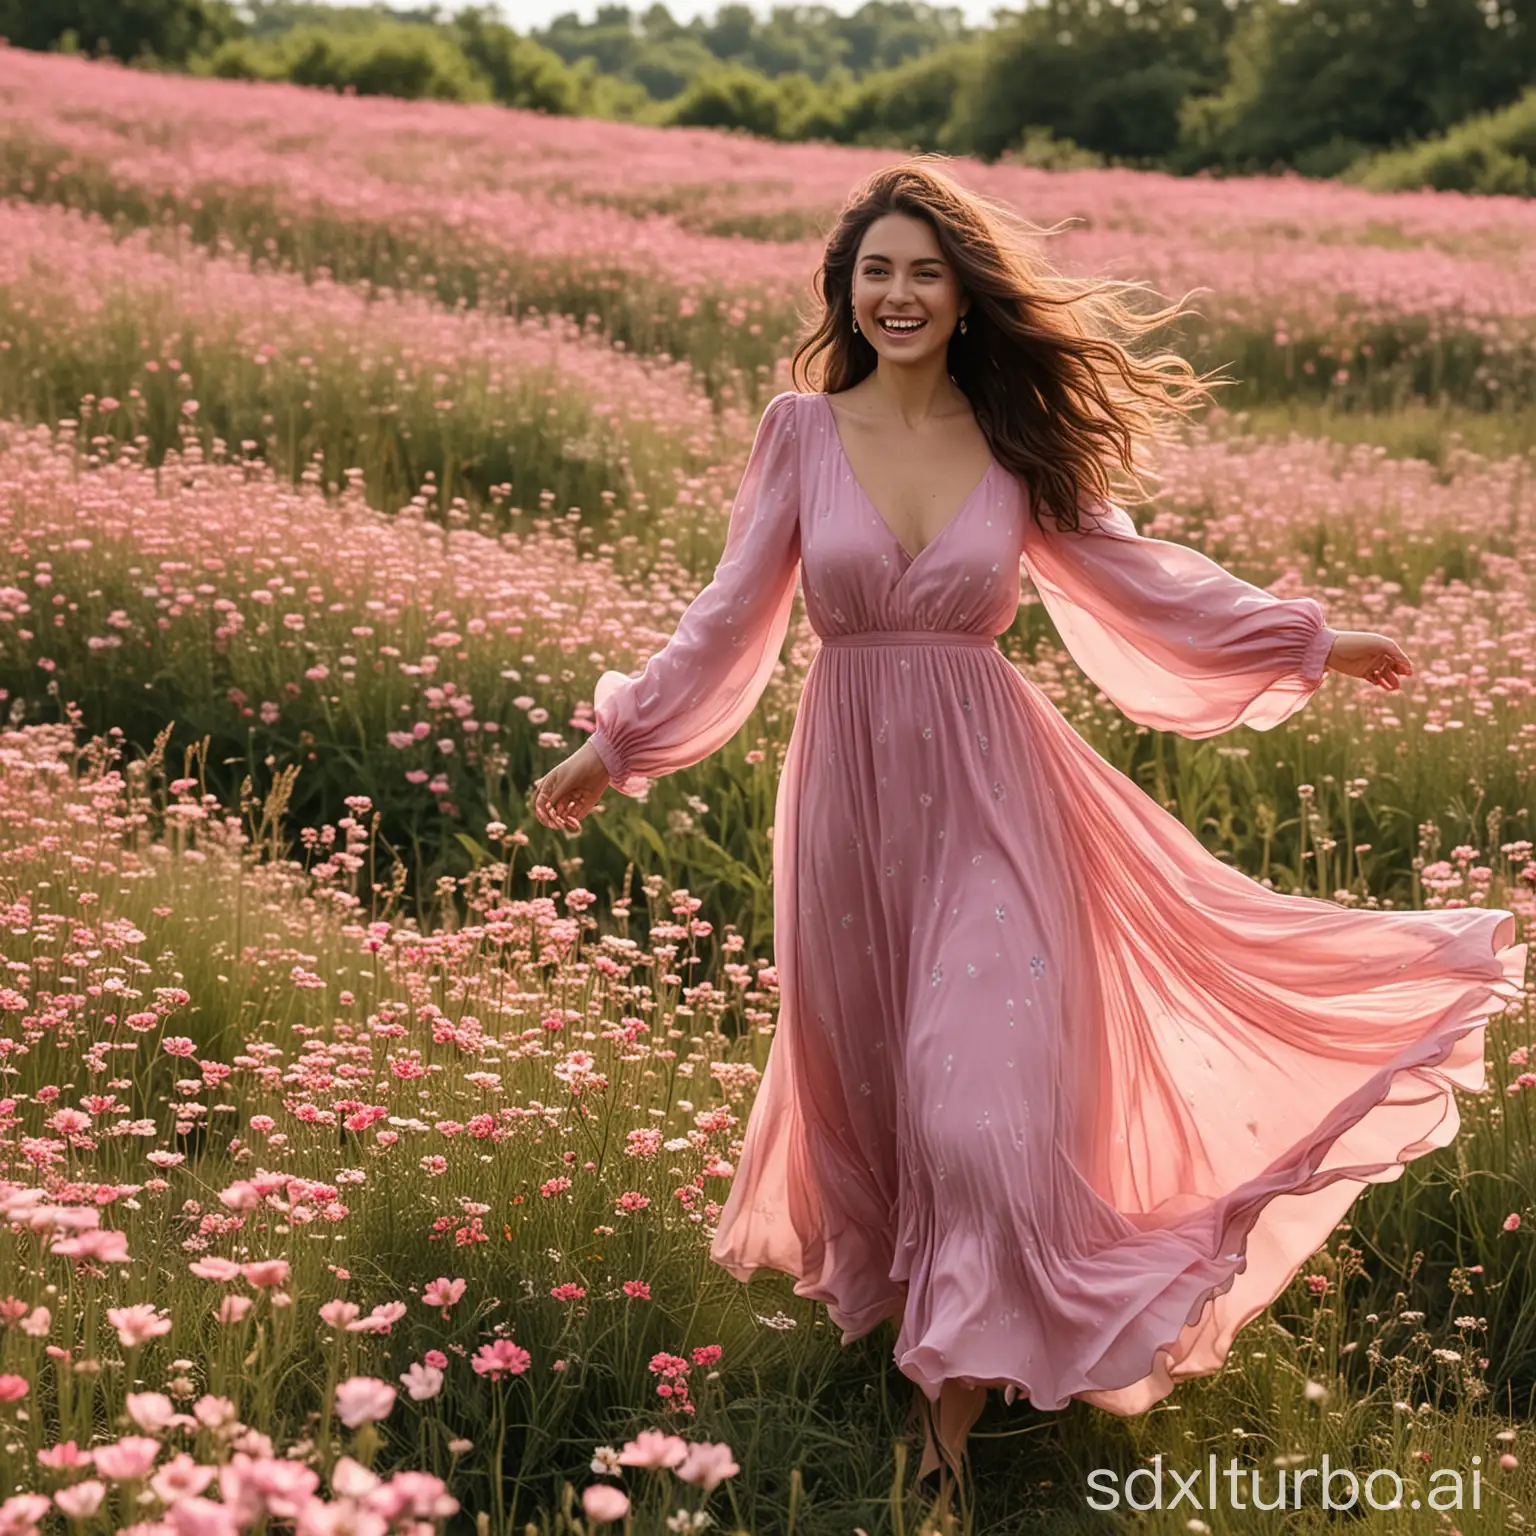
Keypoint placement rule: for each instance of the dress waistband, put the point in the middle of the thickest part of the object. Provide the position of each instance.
(911, 637)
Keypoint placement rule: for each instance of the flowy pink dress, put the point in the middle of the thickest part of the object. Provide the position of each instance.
(1051, 1085)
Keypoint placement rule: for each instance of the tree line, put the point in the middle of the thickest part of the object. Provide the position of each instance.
(1404, 92)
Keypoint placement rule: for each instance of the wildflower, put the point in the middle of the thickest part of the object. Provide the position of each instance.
(138, 1324)
(151, 1411)
(707, 1465)
(380, 1320)
(213, 1268)
(422, 1381)
(130, 1457)
(13, 1388)
(181, 1478)
(338, 1314)
(443, 1293)
(653, 1449)
(82, 1500)
(603, 1502)
(501, 1357)
(100, 1245)
(363, 1400)
(265, 1273)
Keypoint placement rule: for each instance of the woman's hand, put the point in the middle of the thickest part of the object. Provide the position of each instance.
(1359, 653)
(570, 789)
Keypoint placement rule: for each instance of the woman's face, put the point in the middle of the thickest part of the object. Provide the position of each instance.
(906, 296)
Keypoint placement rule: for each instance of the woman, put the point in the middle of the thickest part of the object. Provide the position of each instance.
(1052, 1086)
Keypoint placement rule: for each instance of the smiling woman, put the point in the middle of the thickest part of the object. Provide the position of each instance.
(1020, 1098)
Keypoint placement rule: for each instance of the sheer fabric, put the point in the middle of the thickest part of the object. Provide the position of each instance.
(1052, 1087)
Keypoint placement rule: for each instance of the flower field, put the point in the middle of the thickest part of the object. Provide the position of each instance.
(363, 1138)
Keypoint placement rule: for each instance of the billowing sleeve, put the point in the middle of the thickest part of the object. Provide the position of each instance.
(698, 689)
(1176, 641)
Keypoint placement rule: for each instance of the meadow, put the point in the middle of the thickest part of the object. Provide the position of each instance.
(363, 1137)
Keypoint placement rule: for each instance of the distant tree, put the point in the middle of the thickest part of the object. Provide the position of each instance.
(665, 68)
(172, 30)
(791, 39)
(912, 105)
(390, 59)
(1491, 153)
(612, 40)
(1111, 78)
(730, 35)
(658, 25)
(730, 96)
(1315, 82)
(267, 18)
(521, 72)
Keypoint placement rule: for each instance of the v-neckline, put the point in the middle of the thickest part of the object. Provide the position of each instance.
(975, 490)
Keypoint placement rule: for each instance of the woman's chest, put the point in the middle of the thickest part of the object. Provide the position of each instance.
(851, 559)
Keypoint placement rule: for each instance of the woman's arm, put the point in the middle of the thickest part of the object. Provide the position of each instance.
(697, 690)
(1175, 640)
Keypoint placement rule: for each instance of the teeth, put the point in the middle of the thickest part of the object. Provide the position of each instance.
(903, 325)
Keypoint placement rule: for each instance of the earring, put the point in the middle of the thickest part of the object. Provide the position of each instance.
(962, 325)
(855, 315)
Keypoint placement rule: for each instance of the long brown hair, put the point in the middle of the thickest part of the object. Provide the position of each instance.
(1055, 388)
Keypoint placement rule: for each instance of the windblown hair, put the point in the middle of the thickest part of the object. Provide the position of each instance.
(1048, 362)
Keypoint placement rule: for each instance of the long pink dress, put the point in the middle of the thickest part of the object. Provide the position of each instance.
(1051, 1084)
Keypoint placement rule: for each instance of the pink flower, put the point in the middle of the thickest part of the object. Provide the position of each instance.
(569, 1291)
(101, 1245)
(13, 1388)
(139, 1324)
(151, 1411)
(603, 1502)
(436, 1357)
(132, 1456)
(351, 1479)
(637, 1290)
(707, 1465)
(1511, 1223)
(82, 1500)
(422, 1382)
(266, 1272)
(443, 1293)
(202, 1517)
(284, 1487)
(653, 1449)
(380, 1320)
(20, 1514)
(233, 1309)
(363, 1399)
(216, 1413)
(409, 1496)
(213, 1268)
(501, 1358)
(64, 1457)
(339, 1313)
(242, 1195)
(181, 1478)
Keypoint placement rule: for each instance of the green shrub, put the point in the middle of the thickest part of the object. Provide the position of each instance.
(1494, 152)
(391, 59)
